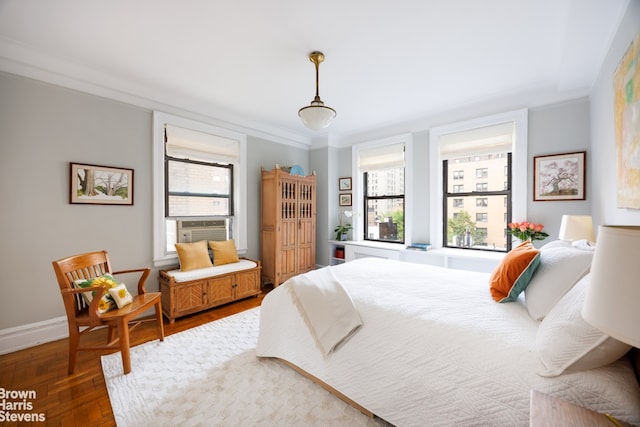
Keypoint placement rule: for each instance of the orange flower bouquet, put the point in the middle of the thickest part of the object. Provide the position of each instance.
(527, 231)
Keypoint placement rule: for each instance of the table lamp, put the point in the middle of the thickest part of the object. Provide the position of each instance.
(612, 301)
(576, 227)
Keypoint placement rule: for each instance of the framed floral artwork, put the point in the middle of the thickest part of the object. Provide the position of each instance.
(559, 177)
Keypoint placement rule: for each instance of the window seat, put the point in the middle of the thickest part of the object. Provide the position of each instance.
(188, 292)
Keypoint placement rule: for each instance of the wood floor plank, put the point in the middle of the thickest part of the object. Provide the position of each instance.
(81, 399)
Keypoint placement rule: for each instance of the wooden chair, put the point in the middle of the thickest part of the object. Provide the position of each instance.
(82, 315)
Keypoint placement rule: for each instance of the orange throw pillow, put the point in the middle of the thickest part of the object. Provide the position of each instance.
(193, 256)
(514, 272)
(224, 252)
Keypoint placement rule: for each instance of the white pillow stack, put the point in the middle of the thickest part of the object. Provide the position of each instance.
(567, 343)
(561, 267)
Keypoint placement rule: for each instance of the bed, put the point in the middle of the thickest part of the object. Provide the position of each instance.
(434, 348)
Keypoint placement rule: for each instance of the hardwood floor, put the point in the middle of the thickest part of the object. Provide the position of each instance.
(81, 399)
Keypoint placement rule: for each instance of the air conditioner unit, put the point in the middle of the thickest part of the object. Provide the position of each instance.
(196, 230)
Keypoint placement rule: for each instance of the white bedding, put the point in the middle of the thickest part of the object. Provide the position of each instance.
(435, 349)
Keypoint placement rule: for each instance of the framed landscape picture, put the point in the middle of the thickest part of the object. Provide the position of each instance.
(100, 185)
(559, 176)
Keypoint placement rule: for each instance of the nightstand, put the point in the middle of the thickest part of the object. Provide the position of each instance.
(550, 411)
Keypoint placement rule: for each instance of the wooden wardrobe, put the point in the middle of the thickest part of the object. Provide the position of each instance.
(287, 225)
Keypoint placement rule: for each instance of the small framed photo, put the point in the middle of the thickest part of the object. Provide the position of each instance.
(345, 199)
(559, 177)
(344, 184)
(100, 185)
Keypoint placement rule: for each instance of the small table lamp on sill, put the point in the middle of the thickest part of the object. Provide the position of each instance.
(576, 227)
(612, 301)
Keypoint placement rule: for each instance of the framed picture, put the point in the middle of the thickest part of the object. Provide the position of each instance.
(344, 184)
(100, 185)
(345, 199)
(626, 81)
(559, 176)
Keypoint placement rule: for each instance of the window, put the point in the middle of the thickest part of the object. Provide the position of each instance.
(458, 188)
(199, 177)
(492, 149)
(462, 227)
(380, 186)
(198, 188)
(481, 233)
(481, 217)
(482, 173)
(458, 203)
(458, 174)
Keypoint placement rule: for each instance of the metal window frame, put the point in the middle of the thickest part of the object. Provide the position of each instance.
(446, 195)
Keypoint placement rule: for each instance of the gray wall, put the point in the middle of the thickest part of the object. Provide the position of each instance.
(42, 128)
(560, 128)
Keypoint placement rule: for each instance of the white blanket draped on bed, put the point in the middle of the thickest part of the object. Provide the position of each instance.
(326, 308)
(435, 349)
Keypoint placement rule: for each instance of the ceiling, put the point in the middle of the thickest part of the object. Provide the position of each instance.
(246, 61)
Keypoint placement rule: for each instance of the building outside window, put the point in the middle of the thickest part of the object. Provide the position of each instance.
(482, 172)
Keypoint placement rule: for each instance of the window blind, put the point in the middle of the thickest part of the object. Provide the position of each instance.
(476, 142)
(384, 157)
(190, 144)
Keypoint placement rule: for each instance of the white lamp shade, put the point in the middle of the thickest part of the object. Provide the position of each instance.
(612, 301)
(576, 227)
(316, 116)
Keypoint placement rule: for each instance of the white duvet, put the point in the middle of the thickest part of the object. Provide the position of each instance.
(435, 349)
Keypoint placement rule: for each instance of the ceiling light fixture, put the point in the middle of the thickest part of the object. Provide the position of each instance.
(317, 116)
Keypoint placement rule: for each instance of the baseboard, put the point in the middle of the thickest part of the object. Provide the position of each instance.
(32, 334)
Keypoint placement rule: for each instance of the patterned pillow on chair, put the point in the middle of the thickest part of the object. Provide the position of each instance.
(107, 281)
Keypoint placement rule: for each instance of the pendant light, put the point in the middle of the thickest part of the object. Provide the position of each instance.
(317, 116)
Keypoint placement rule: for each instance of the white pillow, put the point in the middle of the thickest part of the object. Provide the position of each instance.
(121, 295)
(561, 266)
(556, 244)
(567, 343)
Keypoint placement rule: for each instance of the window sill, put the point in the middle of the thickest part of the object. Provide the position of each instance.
(374, 244)
(444, 257)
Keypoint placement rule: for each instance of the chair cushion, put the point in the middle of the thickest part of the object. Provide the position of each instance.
(121, 295)
(224, 252)
(107, 281)
(193, 255)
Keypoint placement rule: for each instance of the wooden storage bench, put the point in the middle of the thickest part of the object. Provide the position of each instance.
(187, 292)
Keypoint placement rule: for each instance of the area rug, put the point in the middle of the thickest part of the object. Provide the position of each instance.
(210, 376)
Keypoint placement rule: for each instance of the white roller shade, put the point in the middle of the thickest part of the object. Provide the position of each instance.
(189, 144)
(384, 157)
(476, 142)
